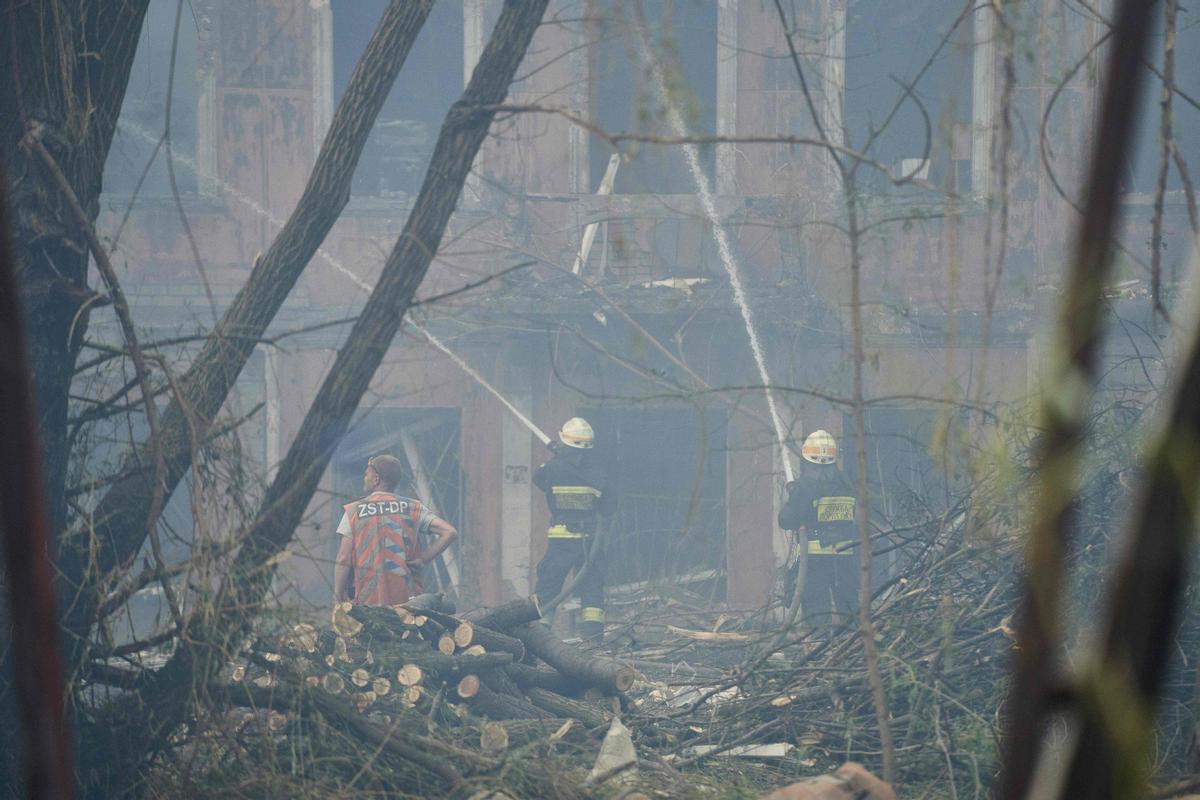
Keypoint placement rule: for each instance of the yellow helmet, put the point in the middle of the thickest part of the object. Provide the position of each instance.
(819, 448)
(576, 432)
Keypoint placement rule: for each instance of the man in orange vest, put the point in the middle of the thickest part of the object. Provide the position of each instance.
(380, 554)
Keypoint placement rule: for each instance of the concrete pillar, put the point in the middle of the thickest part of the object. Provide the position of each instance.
(751, 476)
(474, 38)
(727, 85)
(516, 501)
(983, 100)
(482, 458)
(578, 102)
(322, 40)
(833, 71)
(272, 410)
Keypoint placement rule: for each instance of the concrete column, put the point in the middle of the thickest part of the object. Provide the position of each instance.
(271, 397)
(578, 143)
(474, 38)
(516, 516)
(207, 58)
(834, 74)
(482, 417)
(751, 468)
(727, 85)
(322, 40)
(983, 100)
(206, 134)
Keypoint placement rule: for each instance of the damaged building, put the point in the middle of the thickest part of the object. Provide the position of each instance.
(597, 283)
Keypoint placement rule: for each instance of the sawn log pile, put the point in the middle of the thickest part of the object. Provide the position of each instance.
(430, 687)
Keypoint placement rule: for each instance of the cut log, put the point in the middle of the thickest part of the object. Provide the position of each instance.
(333, 683)
(363, 700)
(587, 713)
(603, 673)
(468, 687)
(430, 601)
(409, 675)
(239, 674)
(344, 623)
(385, 623)
(381, 686)
(497, 706)
(468, 633)
(475, 650)
(446, 644)
(494, 640)
(508, 616)
(498, 681)
(528, 677)
(442, 665)
(360, 677)
(303, 637)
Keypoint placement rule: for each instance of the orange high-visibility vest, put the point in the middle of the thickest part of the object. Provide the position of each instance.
(384, 528)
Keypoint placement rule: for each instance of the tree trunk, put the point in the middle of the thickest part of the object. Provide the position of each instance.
(66, 65)
(31, 618)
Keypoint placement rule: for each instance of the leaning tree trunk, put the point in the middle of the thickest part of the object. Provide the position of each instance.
(120, 518)
(172, 692)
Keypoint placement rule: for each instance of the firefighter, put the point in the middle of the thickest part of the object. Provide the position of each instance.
(818, 510)
(380, 555)
(577, 493)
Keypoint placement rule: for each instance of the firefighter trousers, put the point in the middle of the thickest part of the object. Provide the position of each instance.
(830, 587)
(562, 556)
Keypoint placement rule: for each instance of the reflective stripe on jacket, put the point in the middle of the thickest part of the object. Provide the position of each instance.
(577, 492)
(384, 528)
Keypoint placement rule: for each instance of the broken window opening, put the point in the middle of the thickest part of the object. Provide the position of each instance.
(886, 43)
(143, 112)
(683, 35)
(394, 160)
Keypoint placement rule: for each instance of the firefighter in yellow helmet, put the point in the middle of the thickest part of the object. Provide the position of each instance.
(820, 511)
(577, 493)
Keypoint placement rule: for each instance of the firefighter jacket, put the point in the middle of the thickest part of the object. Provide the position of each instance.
(386, 530)
(825, 510)
(577, 493)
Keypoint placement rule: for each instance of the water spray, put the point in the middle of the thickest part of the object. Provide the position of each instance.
(362, 284)
(704, 192)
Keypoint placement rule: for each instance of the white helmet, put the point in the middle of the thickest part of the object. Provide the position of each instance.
(819, 448)
(576, 432)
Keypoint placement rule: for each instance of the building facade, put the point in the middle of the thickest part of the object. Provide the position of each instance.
(959, 255)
